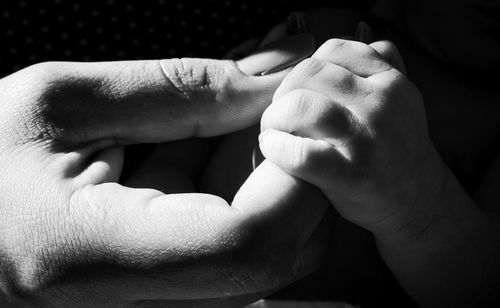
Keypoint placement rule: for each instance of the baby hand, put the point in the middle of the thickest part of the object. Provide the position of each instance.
(348, 121)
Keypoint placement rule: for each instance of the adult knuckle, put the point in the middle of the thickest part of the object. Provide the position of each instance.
(43, 72)
(30, 84)
(195, 77)
(181, 75)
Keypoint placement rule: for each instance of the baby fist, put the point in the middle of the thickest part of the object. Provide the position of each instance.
(348, 121)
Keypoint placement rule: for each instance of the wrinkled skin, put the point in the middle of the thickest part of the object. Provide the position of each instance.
(71, 234)
(356, 272)
(355, 262)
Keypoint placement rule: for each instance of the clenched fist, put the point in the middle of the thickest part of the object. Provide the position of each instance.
(348, 121)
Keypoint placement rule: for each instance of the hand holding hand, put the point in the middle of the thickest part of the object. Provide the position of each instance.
(348, 121)
(70, 233)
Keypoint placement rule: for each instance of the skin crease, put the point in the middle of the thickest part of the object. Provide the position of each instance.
(356, 266)
(356, 270)
(231, 151)
(235, 153)
(439, 114)
(71, 235)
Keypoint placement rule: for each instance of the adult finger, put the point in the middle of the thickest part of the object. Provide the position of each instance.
(157, 100)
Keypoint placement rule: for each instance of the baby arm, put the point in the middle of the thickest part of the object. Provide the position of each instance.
(349, 122)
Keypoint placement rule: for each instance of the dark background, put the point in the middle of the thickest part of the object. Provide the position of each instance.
(38, 31)
(110, 30)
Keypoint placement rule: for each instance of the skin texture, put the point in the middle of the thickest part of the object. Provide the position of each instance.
(349, 134)
(71, 234)
(349, 122)
(447, 138)
(460, 109)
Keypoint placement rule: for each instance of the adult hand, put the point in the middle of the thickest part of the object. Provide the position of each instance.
(70, 233)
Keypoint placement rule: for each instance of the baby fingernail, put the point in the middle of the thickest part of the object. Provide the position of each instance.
(363, 33)
(296, 23)
(278, 55)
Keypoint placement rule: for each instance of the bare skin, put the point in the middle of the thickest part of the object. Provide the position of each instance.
(71, 235)
(38, 275)
(473, 165)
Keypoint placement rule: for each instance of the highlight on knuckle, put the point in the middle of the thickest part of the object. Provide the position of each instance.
(193, 78)
(33, 82)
